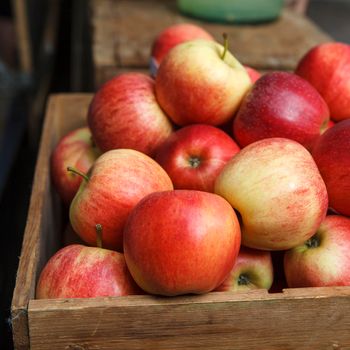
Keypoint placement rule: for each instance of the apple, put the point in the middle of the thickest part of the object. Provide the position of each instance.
(77, 271)
(200, 81)
(332, 156)
(324, 259)
(194, 155)
(180, 242)
(281, 104)
(254, 75)
(118, 180)
(172, 36)
(327, 68)
(74, 149)
(278, 191)
(124, 110)
(253, 270)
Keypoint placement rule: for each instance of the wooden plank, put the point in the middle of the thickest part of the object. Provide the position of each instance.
(123, 32)
(211, 321)
(41, 236)
(23, 35)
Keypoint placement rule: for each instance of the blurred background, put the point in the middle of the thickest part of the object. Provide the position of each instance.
(47, 46)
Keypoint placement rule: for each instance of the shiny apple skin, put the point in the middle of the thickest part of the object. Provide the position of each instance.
(119, 179)
(77, 271)
(253, 270)
(327, 68)
(276, 187)
(172, 36)
(195, 85)
(181, 242)
(332, 156)
(281, 104)
(327, 264)
(194, 155)
(124, 113)
(75, 149)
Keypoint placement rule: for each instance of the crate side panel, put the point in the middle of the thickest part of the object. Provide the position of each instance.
(251, 323)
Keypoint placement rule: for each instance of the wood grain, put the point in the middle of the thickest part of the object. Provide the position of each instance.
(41, 236)
(123, 32)
(213, 321)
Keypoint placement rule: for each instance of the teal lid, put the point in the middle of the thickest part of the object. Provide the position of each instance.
(232, 11)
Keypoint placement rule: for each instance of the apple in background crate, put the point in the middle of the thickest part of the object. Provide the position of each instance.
(332, 156)
(172, 36)
(124, 113)
(200, 81)
(75, 149)
(182, 241)
(77, 271)
(327, 68)
(253, 270)
(194, 155)
(281, 104)
(254, 75)
(118, 180)
(276, 187)
(324, 259)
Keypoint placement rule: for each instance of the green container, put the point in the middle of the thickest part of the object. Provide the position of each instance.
(232, 11)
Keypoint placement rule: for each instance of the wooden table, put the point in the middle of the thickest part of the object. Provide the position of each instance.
(123, 32)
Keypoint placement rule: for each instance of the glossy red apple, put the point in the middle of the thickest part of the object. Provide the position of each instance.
(327, 68)
(324, 259)
(172, 36)
(77, 271)
(181, 241)
(253, 270)
(281, 104)
(194, 155)
(75, 149)
(276, 187)
(124, 110)
(200, 81)
(118, 180)
(332, 156)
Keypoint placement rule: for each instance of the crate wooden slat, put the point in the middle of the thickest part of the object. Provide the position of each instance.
(123, 32)
(309, 318)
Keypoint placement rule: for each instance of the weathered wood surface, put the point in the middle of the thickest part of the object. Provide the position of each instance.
(42, 233)
(213, 321)
(310, 318)
(123, 32)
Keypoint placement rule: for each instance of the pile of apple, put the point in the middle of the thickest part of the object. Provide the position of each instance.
(186, 182)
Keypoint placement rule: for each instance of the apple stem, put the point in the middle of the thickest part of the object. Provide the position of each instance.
(224, 35)
(99, 235)
(77, 172)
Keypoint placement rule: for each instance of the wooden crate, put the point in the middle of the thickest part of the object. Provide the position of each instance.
(122, 33)
(305, 318)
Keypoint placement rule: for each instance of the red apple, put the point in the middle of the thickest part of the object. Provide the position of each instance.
(77, 271)
(332, 156)
(75, 149)
(281, 104)
(327, 68)
(194, 155)
(276, 187)
(254, 75)
(200, 82)
(172, 36)
(181, 241)
(324, 259)
(118, 180)
(253, 270)
(124, 110)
